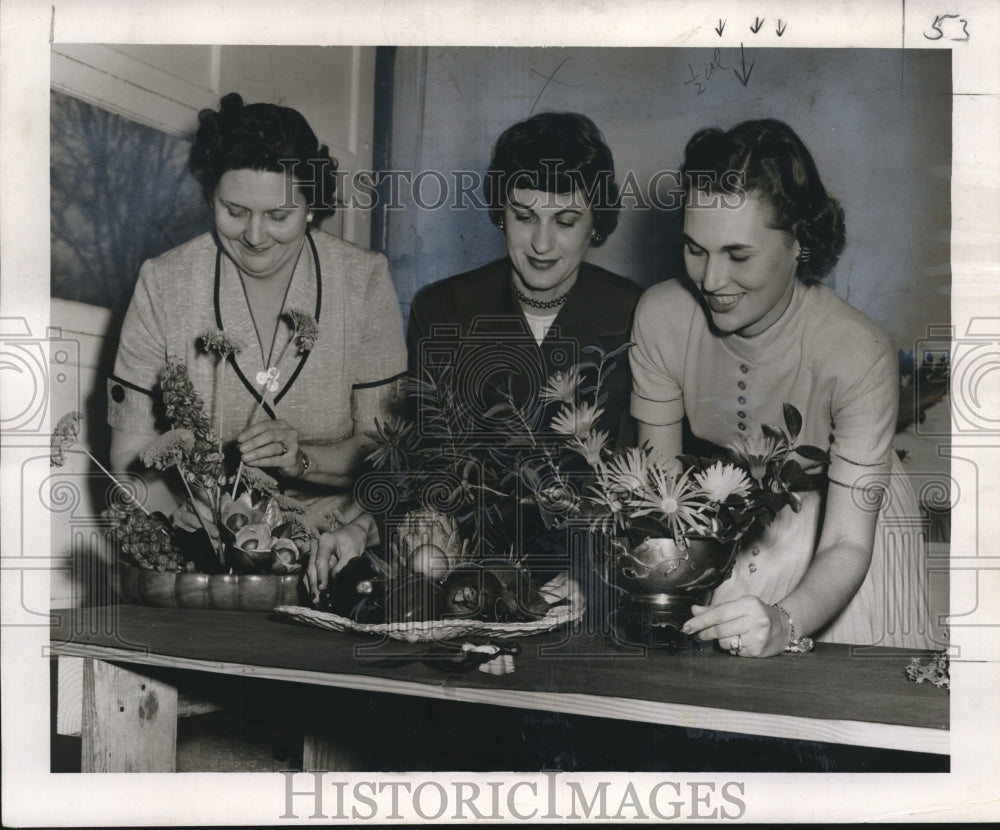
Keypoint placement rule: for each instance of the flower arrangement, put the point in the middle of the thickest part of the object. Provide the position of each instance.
(563, 466)
(259, 530)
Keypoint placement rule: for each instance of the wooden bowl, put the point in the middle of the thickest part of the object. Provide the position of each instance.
(218, 592)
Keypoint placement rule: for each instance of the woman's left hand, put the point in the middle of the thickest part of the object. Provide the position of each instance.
(746, 627)
(273, 444)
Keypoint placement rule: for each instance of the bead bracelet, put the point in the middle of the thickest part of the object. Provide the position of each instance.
(798, 645)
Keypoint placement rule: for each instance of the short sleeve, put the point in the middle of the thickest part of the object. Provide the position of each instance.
(138, 362)
(381, 359)
(864, 418)
(655, 362)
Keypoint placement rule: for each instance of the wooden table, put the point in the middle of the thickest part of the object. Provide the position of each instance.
(836, 694)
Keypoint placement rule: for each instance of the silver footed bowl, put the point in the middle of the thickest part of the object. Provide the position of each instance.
(661, 566)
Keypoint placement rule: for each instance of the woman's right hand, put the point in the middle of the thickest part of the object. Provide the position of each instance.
(334, 550)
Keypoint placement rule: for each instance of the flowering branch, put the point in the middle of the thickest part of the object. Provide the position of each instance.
(169, 450)
(66, 438)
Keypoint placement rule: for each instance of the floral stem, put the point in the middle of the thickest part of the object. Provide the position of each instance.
(236, 481)
(117, 483)
(220, 550)
(253, 419)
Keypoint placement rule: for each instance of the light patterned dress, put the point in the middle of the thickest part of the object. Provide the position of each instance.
(840, 370)
(348, 375)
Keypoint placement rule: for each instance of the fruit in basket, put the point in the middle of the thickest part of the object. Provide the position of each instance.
(429, 561)
(520, 599)
(427, 543)
(357, 590)
(473, 591)
(415, 599)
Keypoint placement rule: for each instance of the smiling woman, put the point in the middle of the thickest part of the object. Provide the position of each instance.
(261, 221)
(550, 187)
(750, 332)
(744, 268)
(312, 325)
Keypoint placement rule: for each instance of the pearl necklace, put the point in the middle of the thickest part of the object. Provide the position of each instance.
(531, 301)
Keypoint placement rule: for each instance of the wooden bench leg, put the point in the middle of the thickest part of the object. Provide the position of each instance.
(69, 695)
(129, 721)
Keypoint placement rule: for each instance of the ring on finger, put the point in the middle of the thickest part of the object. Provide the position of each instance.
(737, 645)
(284, 449)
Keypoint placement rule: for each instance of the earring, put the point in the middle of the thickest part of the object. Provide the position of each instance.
(500, 223)
(595, 238)
(805, 254)
(309, 218)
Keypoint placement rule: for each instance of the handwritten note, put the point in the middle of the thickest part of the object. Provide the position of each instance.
(950, 26)
(701, 79)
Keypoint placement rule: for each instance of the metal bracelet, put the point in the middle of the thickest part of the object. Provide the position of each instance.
(797, 645)
(306, 463)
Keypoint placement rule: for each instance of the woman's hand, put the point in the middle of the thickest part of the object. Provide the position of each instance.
(273, 444)
(195, 516)
(334, 550)
(746, 627)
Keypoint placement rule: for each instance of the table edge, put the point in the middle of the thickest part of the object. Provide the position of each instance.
(933, 740)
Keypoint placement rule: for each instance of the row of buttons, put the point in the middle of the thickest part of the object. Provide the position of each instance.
(741, 400)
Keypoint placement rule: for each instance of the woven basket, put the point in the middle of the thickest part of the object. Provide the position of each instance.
(434, 630)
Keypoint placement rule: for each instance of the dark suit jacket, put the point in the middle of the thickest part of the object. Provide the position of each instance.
(473, 322)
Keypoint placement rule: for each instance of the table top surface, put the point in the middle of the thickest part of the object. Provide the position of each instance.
(834, 682)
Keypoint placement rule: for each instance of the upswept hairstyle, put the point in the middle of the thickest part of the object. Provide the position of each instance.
(765, 157)
(556, 152)
(263, 137)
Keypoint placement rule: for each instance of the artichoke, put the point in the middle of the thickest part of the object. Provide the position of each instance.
(428, 543)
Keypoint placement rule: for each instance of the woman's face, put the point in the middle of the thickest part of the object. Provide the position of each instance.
(259, 225)
(548, 235)
(744, 268)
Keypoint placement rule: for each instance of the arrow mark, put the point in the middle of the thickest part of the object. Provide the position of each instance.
(744, 78)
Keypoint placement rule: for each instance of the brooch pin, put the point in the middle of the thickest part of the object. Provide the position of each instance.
(269, 380)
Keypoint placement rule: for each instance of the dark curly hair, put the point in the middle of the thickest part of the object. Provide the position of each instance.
(558, 152)
(263, 137)
(765, 157)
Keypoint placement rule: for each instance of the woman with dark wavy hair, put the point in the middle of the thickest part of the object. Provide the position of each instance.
(550, 188)
(752, 328)
(301, 415)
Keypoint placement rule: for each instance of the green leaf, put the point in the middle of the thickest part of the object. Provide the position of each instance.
(500, 408)
(531, 478)
(793, 420)
(790, 470)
